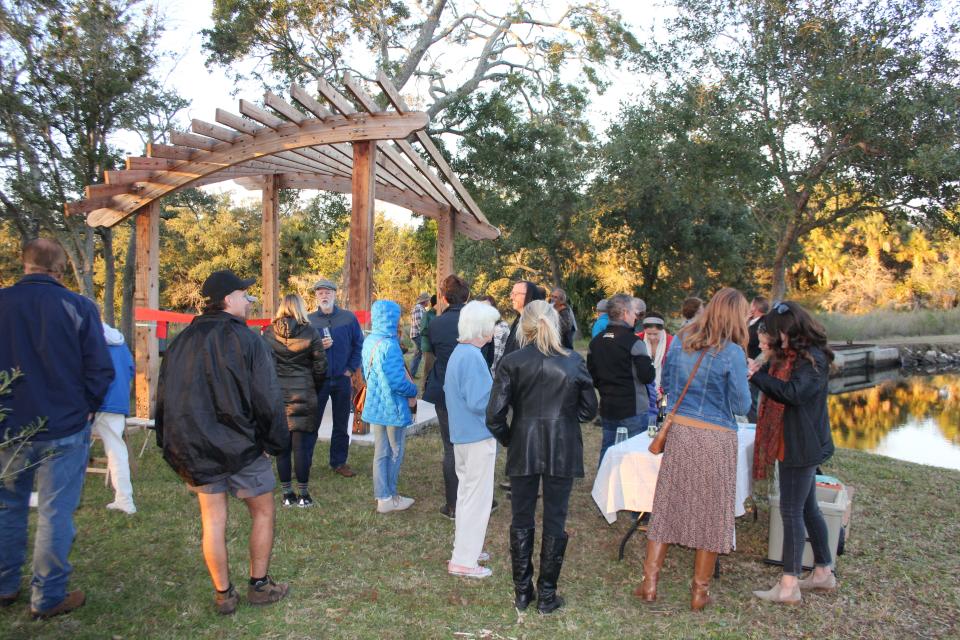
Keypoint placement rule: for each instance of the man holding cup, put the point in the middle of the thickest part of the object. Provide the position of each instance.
(343, 341)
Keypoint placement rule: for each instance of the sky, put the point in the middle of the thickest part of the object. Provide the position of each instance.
(208, 89)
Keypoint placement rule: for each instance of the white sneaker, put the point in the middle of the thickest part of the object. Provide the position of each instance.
(116, 506)
(385, 506)
(400, 503)
(468, 572)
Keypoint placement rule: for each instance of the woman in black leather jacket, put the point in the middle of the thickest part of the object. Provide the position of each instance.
(551, 393)
(301, 367)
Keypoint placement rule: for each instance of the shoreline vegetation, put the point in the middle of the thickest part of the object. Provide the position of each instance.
(356, 574)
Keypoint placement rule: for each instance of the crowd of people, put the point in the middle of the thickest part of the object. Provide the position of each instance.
(228, 400)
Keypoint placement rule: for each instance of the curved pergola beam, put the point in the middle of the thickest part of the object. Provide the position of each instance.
(286, 137)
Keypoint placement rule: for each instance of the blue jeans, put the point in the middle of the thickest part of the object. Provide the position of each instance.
(340, 392)
(417, 356)
(799, 510)
(387, 458)
(634, 424)
(59, 485)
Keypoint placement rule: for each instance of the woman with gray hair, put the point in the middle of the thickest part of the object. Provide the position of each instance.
(466, 387)
(551, 393)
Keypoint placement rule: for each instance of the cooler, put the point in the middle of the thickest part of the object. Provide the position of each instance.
(834, 501)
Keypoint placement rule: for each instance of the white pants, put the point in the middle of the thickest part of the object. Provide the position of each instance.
(475, 465)
(109, 427)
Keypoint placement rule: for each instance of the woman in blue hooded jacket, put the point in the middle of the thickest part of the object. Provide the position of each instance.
(386, 407)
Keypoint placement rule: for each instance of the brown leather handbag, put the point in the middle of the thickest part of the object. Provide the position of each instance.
(660, 440)
(360, 397)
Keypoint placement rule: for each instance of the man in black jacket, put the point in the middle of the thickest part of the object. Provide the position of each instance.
(443, 335)
(621, 368)
(759, 307)
(219, 408)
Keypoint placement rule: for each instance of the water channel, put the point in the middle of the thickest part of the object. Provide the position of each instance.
(916, 418)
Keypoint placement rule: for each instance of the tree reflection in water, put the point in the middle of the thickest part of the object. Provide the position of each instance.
(861, 419)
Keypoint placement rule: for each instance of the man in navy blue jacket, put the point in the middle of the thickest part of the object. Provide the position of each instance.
(54, 338)
(343, 341)
(443, 335)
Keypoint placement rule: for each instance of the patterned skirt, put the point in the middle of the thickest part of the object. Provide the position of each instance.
(696, 490)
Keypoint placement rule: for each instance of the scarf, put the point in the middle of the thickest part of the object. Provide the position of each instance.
(768, 446)
(658, 356)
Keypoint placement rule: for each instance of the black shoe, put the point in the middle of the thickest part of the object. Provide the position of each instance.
(494, 506)
(448, 512)
(552, 550)
(521, 557)
(305, 500)
(290, 499)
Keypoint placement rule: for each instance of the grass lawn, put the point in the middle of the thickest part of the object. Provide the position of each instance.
(355, 574)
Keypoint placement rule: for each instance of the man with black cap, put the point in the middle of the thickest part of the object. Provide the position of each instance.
(343, 340)
(219, 412)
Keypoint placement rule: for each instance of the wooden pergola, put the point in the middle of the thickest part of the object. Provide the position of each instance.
(343, 146)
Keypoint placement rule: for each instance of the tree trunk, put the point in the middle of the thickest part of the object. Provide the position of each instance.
(109, 276)
(87, 259)
(789, 237)
(555, 271)
(129, 280)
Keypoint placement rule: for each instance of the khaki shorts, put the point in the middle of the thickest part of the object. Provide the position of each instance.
(253, 480)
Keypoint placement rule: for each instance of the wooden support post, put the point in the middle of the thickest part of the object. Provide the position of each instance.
(446, 232)
(147, 294)
(270, 250)
(360, 254)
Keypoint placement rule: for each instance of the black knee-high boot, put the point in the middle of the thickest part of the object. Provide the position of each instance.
(521, 554)
(552, 550)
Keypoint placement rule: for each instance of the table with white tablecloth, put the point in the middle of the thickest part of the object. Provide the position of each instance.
(627, 478)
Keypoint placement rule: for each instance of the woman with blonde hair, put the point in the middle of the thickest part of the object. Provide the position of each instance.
(705, 376)
(551, 393)
(301, 364)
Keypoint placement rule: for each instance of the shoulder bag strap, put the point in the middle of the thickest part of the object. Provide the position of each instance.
(683, 393)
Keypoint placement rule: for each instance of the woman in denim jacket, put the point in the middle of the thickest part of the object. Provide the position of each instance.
(694, 500)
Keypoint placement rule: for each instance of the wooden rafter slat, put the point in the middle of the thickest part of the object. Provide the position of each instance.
(311, 104)
(401, 178)
(283, 107)
(400, 105)
(261, 115)
(169, 151)
(419, 174)
(236, 122)
(309, 134)
(214, 131)
(127, 177)
(104, 190)
(192, 140)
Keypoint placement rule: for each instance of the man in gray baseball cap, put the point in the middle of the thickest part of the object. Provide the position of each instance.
(343, 341)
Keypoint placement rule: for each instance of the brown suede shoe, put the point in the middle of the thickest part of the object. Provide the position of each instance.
(345, 471)
(9, 599)
(74, 600)
(268, 592)
(226, 603)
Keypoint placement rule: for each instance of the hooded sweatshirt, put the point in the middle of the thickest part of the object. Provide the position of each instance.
(388, 386)
(117, 399)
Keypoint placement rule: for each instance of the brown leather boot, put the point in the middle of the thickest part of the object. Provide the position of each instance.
(656, 552)
(703, 566)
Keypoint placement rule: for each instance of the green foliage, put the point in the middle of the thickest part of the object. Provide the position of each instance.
(17, 440)
(839, 108)
(74, 73)
(525, 46)
(666, 220)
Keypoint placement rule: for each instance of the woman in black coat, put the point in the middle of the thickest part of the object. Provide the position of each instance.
(551, 393)
(799, 384)
(301, 367)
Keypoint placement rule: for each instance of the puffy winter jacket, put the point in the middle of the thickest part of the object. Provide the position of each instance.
(219, 404)
(117, 399)
(550, 397)
(301, 363)
(387, 384)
